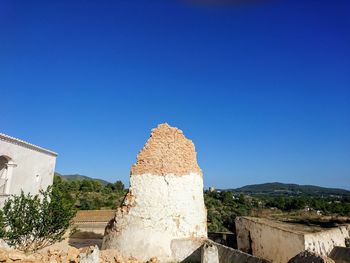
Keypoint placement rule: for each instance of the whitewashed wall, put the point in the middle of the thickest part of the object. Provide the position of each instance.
(323, 242)
(31, 170)
(162, 209)
(267, 242)
(276, 244)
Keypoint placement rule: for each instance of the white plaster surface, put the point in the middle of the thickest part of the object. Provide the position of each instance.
(279, 242)
(210, 253)
(323, 242)
(268, 242)
(163, 209)
(31, 170)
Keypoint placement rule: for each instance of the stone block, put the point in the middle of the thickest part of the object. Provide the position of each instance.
(210, 253)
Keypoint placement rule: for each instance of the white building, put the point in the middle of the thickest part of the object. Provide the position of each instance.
(24, 166)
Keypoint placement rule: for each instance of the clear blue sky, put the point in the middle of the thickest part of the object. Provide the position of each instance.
(263, 90)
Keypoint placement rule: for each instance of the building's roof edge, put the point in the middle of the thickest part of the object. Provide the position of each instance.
(285, 226)
(7, 138)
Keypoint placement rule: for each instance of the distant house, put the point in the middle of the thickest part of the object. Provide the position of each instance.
(24, 166)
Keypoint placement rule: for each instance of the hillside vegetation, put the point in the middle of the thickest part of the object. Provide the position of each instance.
(79, 177)
(91, 194)
(290, 189)
(308, 206)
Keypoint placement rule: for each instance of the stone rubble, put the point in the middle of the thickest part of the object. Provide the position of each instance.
(92, 255)
(69, 254)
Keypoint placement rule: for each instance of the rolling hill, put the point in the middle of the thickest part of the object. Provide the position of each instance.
(290, 189)
(73, 177)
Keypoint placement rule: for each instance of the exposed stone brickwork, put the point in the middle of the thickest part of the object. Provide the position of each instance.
(167, 151)
(164, 208)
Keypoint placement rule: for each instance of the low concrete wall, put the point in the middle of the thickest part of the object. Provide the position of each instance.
(180, 248)
(224, 238)
(186, 250)
(268, 241)
(278, 241)
(229, 255)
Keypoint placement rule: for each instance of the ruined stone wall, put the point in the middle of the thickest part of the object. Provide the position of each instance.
(165, 202)
(268, 242)
(167, 151)
(323, 242)
(278, 242)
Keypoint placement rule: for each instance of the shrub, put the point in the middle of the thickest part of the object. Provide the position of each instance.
(31, 222)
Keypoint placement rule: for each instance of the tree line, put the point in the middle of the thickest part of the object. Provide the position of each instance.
(222, 206)
(91, 194)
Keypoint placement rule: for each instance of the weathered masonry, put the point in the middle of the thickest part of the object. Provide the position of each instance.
(163, 214)
(278, 241)
(24, 166)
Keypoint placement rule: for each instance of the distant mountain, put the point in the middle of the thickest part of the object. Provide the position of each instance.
(74, 177)
(290, 189)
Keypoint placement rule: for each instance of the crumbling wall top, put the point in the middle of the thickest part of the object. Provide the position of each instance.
(167, 151)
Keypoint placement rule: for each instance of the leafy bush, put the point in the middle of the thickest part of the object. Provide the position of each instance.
(31, 222)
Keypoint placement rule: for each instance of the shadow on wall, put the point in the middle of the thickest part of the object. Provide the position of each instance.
(194, 257)
(86, 235)
(83, 239)
(226, 239)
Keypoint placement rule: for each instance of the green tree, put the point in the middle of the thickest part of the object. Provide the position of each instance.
(119, 186)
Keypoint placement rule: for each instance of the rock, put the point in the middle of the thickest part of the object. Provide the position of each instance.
(210, 253)
(72, 253)
(53, 251)
(3, 244)
(16, 255)
(310, 257)
(132, 260)
(3, 256)
(111, 256)
(153, 260)
(92, 255)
